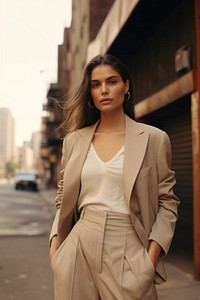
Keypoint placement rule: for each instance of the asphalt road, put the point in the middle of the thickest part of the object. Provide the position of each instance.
(25, 221)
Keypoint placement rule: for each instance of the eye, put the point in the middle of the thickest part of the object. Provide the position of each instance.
(95, 84)
(112, 81)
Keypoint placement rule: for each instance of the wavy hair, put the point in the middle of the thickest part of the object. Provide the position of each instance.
(77, 113)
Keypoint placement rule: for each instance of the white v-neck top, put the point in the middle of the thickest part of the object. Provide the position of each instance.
(101, 183)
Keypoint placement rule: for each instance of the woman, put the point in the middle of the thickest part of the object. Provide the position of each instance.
(116, 210)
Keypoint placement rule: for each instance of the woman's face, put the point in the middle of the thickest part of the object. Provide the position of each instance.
(107, 89)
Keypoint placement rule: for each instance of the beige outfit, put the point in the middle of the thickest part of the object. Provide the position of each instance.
(111, 264)
(148, 189)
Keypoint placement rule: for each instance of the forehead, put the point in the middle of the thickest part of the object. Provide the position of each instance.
(103, 71)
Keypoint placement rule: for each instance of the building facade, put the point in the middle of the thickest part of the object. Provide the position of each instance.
(7, 140)
(35, 146)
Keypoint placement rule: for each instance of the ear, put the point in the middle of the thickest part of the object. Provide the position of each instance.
(126, 84)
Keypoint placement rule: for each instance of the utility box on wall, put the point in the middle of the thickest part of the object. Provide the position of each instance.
(183, 59)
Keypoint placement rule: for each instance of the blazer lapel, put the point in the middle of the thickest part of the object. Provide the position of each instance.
(82, 146)
(72, 188)
(135, 147)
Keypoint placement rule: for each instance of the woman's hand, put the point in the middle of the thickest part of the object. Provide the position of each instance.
(54, 246)
(154, 252)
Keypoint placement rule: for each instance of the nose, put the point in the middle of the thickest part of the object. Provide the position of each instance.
(104, 89)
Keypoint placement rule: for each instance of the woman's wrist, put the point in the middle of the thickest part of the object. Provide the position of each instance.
(154, 252)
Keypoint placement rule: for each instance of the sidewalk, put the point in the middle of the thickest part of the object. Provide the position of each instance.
(180, 284)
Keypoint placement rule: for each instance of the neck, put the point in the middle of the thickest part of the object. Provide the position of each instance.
(112, 123)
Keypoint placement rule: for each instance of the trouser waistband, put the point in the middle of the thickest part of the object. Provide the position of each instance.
(104, 217)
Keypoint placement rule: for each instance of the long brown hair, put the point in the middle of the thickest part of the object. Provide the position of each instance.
(77, 112)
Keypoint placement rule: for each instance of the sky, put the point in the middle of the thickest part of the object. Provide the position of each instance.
(30, 32)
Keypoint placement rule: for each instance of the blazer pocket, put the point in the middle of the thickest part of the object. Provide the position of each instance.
(144, 172)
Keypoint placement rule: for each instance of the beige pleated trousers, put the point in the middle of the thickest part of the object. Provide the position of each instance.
(103, 258)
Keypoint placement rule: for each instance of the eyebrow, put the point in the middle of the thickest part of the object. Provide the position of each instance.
(110, 77)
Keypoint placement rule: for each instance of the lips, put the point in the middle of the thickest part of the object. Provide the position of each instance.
(106, 100)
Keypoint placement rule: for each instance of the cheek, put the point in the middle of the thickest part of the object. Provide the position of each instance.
(92, 93)
(94, 96)
(119, 90)
(120, 95)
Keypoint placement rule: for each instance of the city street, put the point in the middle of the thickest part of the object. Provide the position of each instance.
(122, 74)
(25, 220)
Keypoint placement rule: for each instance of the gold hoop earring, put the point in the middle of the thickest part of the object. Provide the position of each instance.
(89, 104)
(128, 96)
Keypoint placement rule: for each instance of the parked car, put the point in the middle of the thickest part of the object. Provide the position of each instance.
(27, 180)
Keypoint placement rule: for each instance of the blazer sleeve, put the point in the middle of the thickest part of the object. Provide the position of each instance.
(59, 196)
(164, 226)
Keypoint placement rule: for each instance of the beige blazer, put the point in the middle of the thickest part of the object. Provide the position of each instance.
(147, 179)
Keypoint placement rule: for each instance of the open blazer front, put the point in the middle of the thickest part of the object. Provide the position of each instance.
(147, 179)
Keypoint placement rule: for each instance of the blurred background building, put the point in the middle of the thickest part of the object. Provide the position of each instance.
(12, 158)
(160, 43)
(7, 139)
